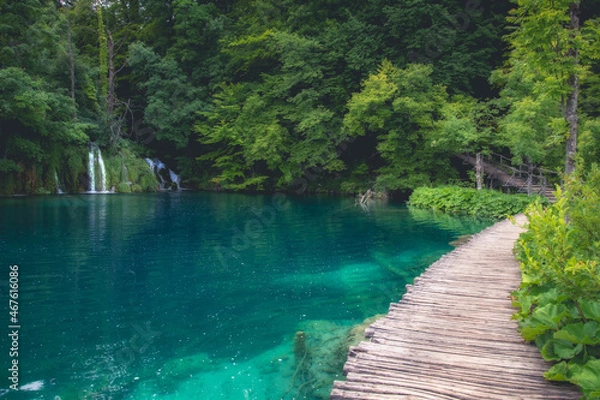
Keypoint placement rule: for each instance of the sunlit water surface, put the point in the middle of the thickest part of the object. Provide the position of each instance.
(202, 295)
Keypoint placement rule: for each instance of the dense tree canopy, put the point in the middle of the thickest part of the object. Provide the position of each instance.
(263, 94)
(551, 55)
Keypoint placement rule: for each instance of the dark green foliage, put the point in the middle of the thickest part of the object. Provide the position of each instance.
(292, 71)
(197, 31)
(551, 56)
(559, 299)
(401, 107)
(467, 126)
(461, 40)
(123, 187)
(171, 102)
(589, 143)
(478, 203)
(142, 71)
(36, 127)
(267, 133)
(126, 169)
(39, 138)
(333, 95)
(263, 94)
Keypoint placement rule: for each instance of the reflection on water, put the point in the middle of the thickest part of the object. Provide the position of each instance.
(203, 295)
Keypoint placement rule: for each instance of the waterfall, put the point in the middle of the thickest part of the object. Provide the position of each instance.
(92, 169)
(102, 171)
(58, 188)
(167, 176)
(95, 157)
(174, 178)
(150, 163)
(156, 166)
(159, 165)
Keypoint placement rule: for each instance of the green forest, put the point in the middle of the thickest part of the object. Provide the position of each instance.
(318, 95)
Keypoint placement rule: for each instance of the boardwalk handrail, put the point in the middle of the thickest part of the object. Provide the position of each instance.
(526, 178)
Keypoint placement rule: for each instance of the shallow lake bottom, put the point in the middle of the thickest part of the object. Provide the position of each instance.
(205, 295)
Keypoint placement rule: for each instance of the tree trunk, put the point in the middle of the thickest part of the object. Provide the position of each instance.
(110, 98)
(71, 62)
(479, 170)
(102, 56)
(572, 101)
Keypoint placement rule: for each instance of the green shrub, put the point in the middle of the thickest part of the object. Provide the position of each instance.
(559, 298)
(139, 172)
(479, 203)
(147, 179)
(124, 187)
(75, 164)
(112, 164)
(129, 172)
(42, 191)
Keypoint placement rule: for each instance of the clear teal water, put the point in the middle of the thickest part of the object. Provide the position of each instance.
(202, 295)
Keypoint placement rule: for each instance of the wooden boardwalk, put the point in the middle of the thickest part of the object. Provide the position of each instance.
(451, 336)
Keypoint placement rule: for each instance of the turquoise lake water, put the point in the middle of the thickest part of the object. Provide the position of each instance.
(188, 295)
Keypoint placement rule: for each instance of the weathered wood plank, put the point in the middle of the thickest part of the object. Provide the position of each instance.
(463, 373)
(451, 336)
(425, 330)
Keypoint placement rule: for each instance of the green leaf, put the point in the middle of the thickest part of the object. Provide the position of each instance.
(524, 302)
(588, 377)
(559, 372)
(565, 349)
(580, 333)
(557, 350)
(531, 330)
(543, 319)
(548, 352)
(590, 309)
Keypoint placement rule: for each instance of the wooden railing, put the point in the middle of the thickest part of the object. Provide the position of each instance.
(526, 178)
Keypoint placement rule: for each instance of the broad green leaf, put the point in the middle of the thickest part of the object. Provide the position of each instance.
(549, 353)
(528, 279)
(588, 376)
(531, 330)
(542, 339)
(551, 296)
(591, 309)
(523, 301)
(543, 319)
(558, 372)
(565, 349)
(556, 350)
(580, 333)
(550, 314)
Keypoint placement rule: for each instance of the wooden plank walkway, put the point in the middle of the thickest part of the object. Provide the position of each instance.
(451, 336)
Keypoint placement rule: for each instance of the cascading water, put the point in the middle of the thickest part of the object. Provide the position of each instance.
(150, 163)
(167, 181)
(58, 188)
(156, 167)
(92, 169)
(95, 157)
(174, 178)
(102, 171)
